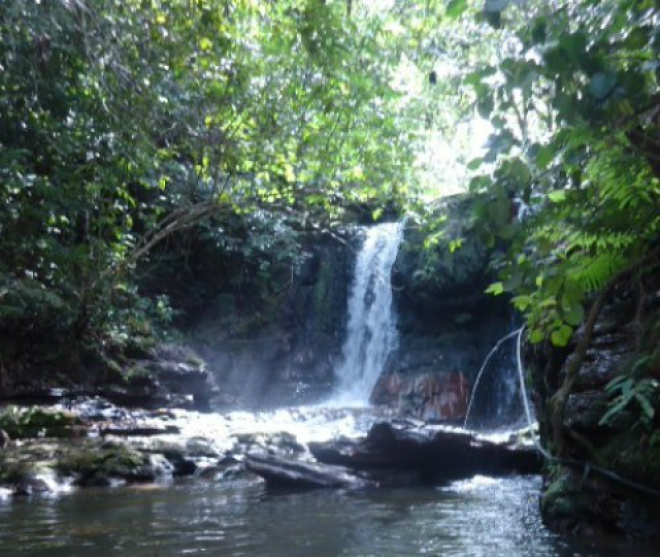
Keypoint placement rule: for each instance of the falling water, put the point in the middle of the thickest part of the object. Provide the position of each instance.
(513, 387)
(371, 334)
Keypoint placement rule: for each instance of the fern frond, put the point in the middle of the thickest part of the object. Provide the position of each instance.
(593, 272)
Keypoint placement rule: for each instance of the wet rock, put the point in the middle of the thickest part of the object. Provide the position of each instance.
(435, 456)
(200, 447)
(98, 409)
(281, 444)
(13, 469)
(584, 410)
(577, 499)
(430, 397)
(280, 472)
(229, 468)
(139, 431)
(31, 485)
(98, 465)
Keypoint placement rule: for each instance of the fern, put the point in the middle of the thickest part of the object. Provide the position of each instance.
(594, 272)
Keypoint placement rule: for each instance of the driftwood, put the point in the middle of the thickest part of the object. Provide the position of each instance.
(279, 472)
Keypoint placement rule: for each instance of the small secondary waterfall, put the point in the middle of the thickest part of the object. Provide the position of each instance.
(371, 334)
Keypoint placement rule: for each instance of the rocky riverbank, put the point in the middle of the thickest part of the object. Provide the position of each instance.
(49, 449)
(607, 479)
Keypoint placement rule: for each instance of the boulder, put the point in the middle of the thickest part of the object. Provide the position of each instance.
(435, 455)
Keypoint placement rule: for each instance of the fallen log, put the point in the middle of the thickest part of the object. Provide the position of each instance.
(279, 472)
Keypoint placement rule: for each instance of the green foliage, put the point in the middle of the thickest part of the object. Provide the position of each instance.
(570, 177)
(120, 118)
(637, 392)
(627, 391)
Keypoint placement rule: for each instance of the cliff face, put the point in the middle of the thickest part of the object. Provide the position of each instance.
(285, 353)
(610, 424)
(447, 326)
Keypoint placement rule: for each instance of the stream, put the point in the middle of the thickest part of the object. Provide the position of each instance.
(234, 516)
(477, 517)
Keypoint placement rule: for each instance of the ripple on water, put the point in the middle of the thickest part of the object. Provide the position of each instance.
(482, 517)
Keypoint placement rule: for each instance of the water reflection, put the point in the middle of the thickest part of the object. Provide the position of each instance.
(482, 517)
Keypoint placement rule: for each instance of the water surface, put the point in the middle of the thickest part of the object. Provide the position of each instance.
(482, 517)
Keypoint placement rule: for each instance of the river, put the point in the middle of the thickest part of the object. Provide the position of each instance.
(481, 517)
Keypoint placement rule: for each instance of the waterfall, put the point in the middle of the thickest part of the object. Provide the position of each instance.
(371, 332)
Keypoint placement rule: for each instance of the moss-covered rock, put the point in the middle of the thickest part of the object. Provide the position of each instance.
(98, 465)
(34, 421)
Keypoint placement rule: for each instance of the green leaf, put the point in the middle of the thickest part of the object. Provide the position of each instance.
(494, 19)
(557, 196)
(646, 405)
(574, 315)
(536, 336)
(474, 164)
(485, 106)
(612, 411)
(544, 157)
(539, 31)
(205, 43)
(521, 303)
(491, 6)
(456, 8)
(561, 336)
(496, 289)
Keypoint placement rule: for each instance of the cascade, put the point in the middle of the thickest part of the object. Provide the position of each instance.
(371, 332)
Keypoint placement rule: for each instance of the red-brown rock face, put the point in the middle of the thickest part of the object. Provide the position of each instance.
(432, 396)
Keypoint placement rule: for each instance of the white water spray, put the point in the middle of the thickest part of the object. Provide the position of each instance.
(371, 334)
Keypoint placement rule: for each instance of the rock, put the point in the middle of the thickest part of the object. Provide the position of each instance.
(97, 465)
(31, 485)
(584, 410)
(34, 421)
(279, 472)
(139, 431)
(201, 447)
(579, 499)
(430, 397)
(435, 456)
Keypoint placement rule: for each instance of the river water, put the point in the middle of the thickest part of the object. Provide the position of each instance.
(481, 517)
